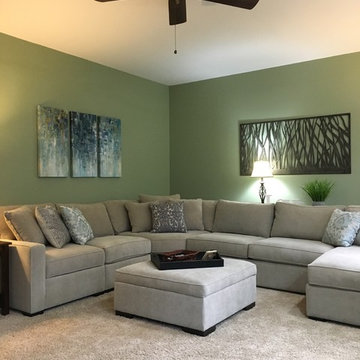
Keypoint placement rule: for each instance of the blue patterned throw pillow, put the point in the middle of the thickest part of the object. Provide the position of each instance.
(168, 216)
(342, 228)
(78, 227)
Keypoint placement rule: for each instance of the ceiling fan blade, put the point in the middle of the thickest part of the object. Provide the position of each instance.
(177, 12)
(244, 4)
(105, 0)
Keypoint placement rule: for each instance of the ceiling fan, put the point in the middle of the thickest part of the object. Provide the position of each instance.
(177, 8)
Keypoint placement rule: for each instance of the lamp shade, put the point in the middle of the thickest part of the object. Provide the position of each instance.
(261, 169)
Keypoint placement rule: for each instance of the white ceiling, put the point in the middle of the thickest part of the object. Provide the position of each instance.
(217, 40)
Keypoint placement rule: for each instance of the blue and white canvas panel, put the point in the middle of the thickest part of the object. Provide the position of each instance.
(109, 147)
(83, 144)
(53, 142)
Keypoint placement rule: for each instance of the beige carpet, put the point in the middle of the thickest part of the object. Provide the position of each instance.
(276, 328)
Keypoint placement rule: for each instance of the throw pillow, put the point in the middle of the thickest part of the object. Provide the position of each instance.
(79, 228)
(139, 215)
(342, 228)
(355, 208)
(23, 224)
(168, 216)
(52, 226)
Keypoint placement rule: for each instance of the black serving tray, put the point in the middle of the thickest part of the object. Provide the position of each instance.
(161, 264)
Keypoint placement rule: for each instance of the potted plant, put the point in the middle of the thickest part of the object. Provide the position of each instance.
(318, 190)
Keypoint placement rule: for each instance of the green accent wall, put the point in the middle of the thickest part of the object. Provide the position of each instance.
(205, 117)
(32, 75)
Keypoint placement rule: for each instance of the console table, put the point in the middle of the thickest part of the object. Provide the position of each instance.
(4, 263)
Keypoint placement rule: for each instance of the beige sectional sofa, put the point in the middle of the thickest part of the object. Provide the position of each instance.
(283, 240)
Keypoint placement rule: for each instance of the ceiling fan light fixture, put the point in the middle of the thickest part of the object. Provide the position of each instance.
(177, 12)
(243, 4)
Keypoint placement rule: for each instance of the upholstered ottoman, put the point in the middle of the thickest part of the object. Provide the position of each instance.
(195, 299)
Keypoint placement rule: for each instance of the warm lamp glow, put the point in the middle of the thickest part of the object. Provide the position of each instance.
(261, 169)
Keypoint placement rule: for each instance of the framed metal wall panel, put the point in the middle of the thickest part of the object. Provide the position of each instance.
(312, 145)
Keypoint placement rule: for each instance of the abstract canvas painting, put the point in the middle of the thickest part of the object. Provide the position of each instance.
(53, 142)
(83, 144)
(109, 147)
(312, 145)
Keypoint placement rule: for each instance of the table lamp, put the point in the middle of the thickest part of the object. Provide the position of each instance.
(262, 169)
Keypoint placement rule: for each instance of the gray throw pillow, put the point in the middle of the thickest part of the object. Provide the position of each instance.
(79, 228)
(168, 216)
(355, 208)
(23, 224)
(342, 228)
(52, 226)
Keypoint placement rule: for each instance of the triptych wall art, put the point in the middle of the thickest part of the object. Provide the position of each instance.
(312, 145)
(91, 142)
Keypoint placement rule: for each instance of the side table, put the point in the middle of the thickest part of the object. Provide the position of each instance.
(4, 280)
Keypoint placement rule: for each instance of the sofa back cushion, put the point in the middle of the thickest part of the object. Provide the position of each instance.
(139, 215)
(23, 224)
(208, 208)
(149, 198)
(193, 212)
(118, 215)
(97, 217)
(301, 221)
(243, 218)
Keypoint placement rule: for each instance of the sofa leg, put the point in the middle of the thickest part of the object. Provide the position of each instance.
(127, 315)
(249, 306)
(31, 315)
(317, 319)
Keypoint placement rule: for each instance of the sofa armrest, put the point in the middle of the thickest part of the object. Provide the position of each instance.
(27, 264)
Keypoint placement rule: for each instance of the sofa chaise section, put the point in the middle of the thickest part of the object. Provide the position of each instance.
(333, 289)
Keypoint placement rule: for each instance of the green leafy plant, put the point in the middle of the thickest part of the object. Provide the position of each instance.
(318, 190)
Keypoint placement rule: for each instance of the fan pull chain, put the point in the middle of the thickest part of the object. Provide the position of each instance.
(175, 50)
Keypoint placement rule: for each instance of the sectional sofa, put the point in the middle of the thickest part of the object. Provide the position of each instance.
(284, 241)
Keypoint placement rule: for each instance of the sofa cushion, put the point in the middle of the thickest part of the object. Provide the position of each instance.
(301, 221)
(288, 250)
(168, 216)
(118, 247)
(72, 258)
(149, 198)
(342, 228)
(243, 218)
(209, 207)
(338, 268)
(23, 224)
(97, 216)
(353, 208)
(118, 215)
(234, 245)
(139, 215)
(52, 225)
(78, 227)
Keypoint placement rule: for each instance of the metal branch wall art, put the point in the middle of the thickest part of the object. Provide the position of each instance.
(313, 145)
